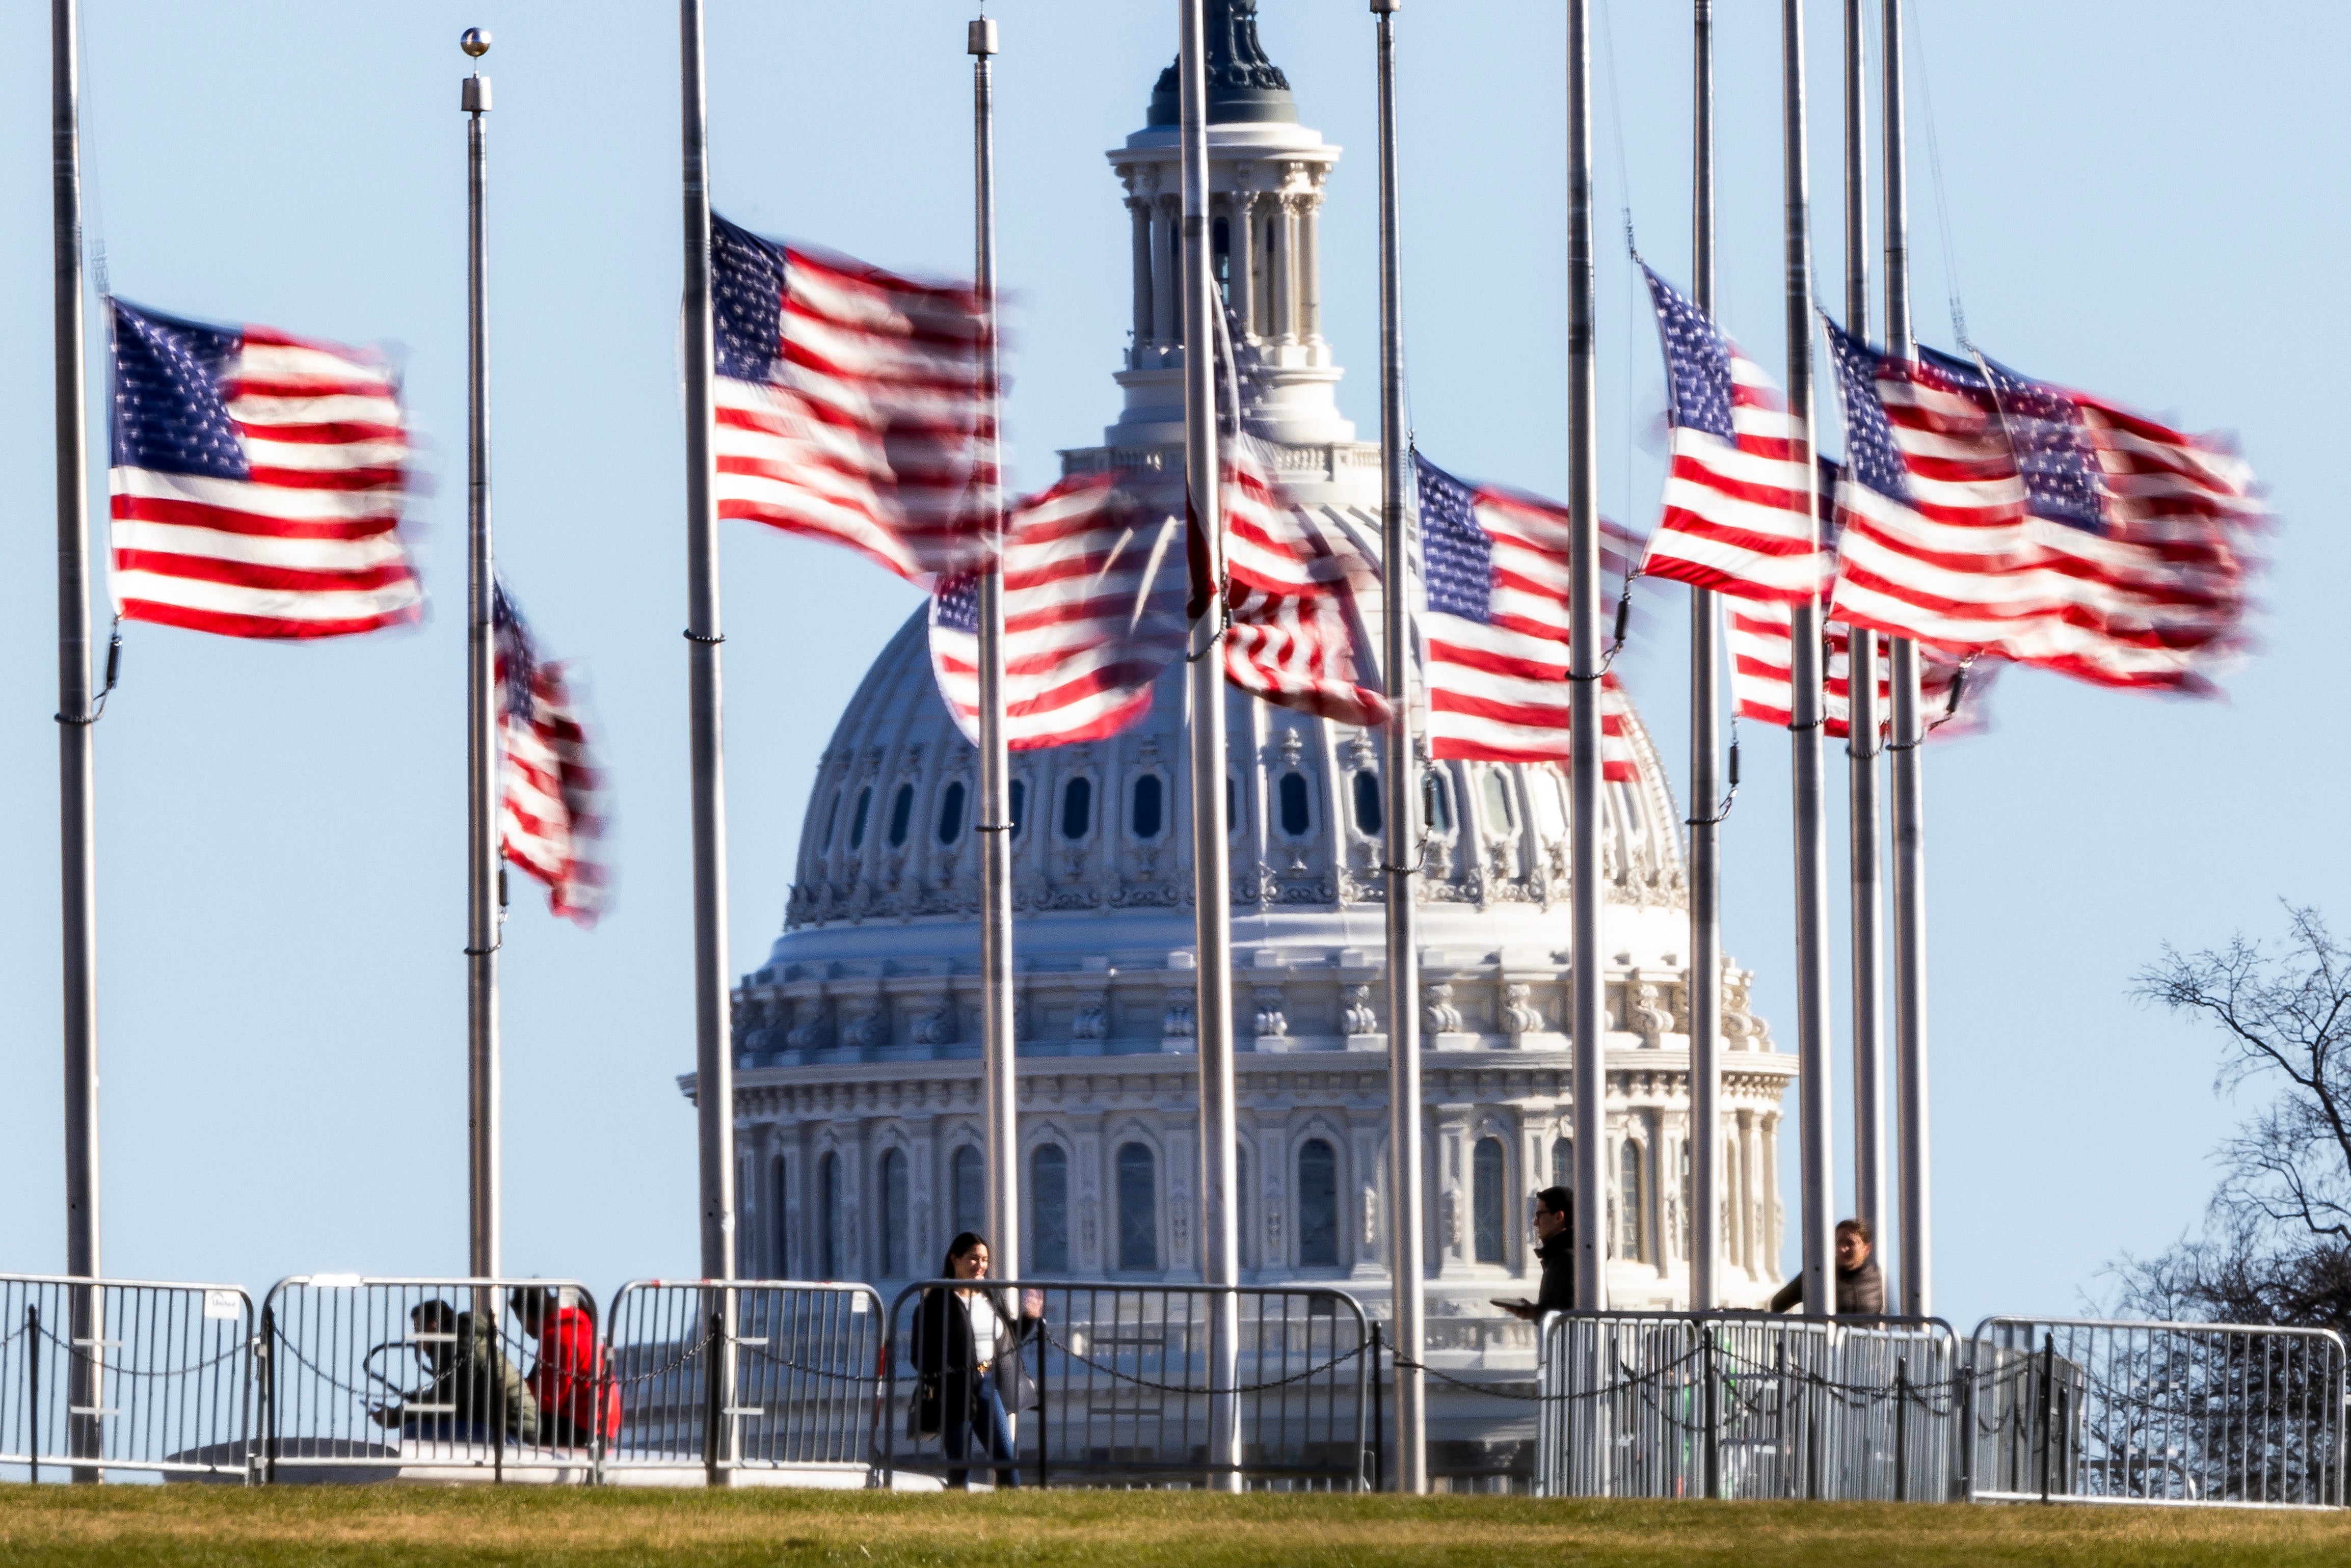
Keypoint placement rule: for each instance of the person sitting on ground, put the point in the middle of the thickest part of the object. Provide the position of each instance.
(968, 1363)
(475, 1390)
(1556, 1246)
(578, 1400)
(1860, 1287)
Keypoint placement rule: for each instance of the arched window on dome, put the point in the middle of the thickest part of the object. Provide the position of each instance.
(901, 814)
(1221, 247)
(1294, 805)
(1138, 1209)
(1501, 818)
(1146, 806)
(1437, 802)
(893, 1214)
(1077, 808)
(1318, 1204)
(1489, 1200)
(1019, 806)
(970, 1190)
(1232, 806)
(1562, 1163)
(1049, 1210)
(1550, 805)
(1632, 1204)
(857, 820)
(1368, 817)
(832, 1220)
(951, 801)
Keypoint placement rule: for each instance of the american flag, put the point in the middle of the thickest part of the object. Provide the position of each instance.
(1737, 516)
(1294, 583)
(1093, 611)
(257, 482)
(1495, 568)
(851, 404)
(550, 792)
(1988, 513)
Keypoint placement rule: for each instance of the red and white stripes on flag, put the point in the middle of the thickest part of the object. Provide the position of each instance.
(1495, 571)
(257, 482)
(1738, 517)
(1294, 635)
(1988, 513)
(1093, 611)
(1757, 635)
(851, 404)
(550, 792)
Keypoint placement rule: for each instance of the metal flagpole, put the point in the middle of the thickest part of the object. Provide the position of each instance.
(1211, 877)
(1584, 677)
(1817, 1188)
(76, 781)
(483, 1091)
(1404, 1256)
(1706, 740)
(1862, 746)
(997, 1044)
(1909, 779)
(712, 1057)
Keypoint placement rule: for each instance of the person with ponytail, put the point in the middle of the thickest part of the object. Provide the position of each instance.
(967, 1362)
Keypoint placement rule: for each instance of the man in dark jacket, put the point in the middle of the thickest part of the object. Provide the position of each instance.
(1555, 1246)
(1860, 1287)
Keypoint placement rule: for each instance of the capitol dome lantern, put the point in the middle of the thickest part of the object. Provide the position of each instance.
(858, 1095)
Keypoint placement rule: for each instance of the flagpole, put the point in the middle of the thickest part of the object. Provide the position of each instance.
(482, 1088)
(1861, 747)
(1211, 877)
(1909, 776)
(997, 1043)
(713, 1055)
(76, 781)
(1817, 1187)
(1405, 1220)
(1584, 683)
(1706, 742)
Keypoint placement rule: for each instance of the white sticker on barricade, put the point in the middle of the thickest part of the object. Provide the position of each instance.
(225, 1304)
(856, 1306)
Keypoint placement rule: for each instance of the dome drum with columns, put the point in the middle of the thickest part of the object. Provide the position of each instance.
(858, 1095)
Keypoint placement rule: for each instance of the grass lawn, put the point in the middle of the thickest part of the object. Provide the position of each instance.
(546, 1527)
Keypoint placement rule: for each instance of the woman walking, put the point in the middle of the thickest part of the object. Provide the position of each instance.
(967, 1345)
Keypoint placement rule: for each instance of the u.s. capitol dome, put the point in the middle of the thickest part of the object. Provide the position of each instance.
(858, 1096)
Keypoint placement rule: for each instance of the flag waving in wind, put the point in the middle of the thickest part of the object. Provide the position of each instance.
(1294, 581)
(550, 792)
(257, 482)
(851, 404)
(1495, 567)
(1738, 513)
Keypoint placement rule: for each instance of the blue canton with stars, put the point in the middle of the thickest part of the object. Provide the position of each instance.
(168, 412)
(1874, 461)
(1698, 363)
(746, 302)
(2053, 451)
(521, 655)
(954, 604)
(1457, 555)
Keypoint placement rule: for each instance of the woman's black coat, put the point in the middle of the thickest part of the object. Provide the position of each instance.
(947, 1372)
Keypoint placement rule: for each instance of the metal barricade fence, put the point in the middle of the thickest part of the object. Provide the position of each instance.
(124, 1375)
(2087, 1411)
(797, 1391)
(1121, 1377)
(1745, 1406)
(428, 1378)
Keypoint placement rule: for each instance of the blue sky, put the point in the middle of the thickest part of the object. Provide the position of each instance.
(2141, 202)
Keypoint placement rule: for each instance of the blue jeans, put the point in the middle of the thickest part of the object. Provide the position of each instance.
(987, 1419)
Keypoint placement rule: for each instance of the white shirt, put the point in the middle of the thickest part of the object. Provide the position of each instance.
(985, 1324)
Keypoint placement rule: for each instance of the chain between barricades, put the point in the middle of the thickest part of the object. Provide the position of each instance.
(84, 1357)
(1186, 1389)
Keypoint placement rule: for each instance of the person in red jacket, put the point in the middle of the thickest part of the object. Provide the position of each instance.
(578, 1400)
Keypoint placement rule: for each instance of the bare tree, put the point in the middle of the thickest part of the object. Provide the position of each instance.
(2276, 1246)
